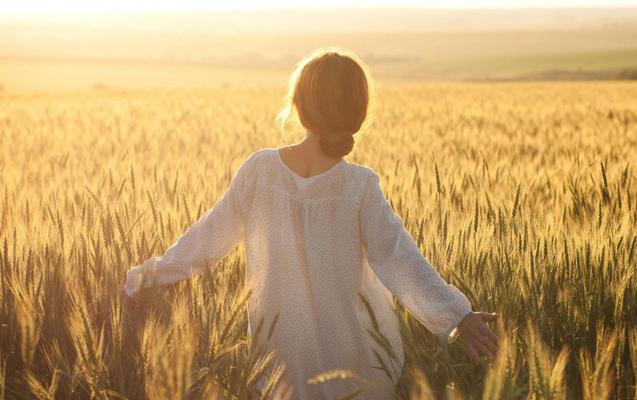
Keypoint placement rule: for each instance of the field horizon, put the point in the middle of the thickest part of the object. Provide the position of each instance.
(211, 49)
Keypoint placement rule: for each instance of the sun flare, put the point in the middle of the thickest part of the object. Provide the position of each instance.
(65, 6)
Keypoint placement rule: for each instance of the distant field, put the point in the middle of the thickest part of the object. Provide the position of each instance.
(26, 74)
(61, 74)
(176, 51)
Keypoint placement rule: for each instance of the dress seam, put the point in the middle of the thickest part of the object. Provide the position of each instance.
(321, 199)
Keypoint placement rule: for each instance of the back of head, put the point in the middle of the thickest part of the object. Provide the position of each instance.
(330, 90)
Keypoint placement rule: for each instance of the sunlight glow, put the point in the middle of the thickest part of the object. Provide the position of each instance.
(62, 6)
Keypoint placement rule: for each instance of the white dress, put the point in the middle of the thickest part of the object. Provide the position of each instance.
(311, 246)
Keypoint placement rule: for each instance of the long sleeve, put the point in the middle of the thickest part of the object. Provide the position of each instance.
(209, 239)
(399, 264)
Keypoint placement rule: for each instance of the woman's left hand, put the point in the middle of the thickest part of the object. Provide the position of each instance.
(479, 338)
(125, 299)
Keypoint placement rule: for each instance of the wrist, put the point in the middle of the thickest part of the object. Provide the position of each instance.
(454, 334)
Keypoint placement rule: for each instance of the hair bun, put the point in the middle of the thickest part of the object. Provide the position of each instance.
(337, 145)
(330, 91)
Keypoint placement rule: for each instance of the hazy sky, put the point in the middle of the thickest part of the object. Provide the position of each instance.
(116, 5)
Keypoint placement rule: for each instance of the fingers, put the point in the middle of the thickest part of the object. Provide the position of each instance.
(477, 349)
(125, 298)
(486, 332)
(473, 353)
(492, 347)
(484, 349)
(487, 316)
(489, 339)
(482, 340)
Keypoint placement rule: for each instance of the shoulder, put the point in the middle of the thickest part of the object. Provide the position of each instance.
(365, 180)
(259, 154)
(256, 164)
(255, 158)
(364, 173)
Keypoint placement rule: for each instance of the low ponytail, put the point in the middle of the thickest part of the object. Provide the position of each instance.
(337, 145)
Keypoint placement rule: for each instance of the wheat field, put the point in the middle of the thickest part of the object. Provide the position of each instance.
(523, 195)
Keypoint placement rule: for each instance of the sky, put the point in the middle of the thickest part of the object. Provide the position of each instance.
(55, 6)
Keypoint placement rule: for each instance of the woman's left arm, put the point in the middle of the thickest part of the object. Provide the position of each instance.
(399, 264)
(208, 240)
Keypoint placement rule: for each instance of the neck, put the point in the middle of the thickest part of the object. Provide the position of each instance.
(310, 148)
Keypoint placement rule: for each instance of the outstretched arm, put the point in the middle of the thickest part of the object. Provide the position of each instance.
(399, 264)
(209, 239)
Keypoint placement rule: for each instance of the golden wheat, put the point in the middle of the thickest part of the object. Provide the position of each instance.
(522, 195)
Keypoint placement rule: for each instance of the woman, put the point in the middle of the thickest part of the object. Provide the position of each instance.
(323, 245)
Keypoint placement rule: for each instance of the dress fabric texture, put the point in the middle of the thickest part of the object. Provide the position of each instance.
(314, 247)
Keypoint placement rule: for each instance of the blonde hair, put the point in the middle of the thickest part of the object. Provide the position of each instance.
(331, 90)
